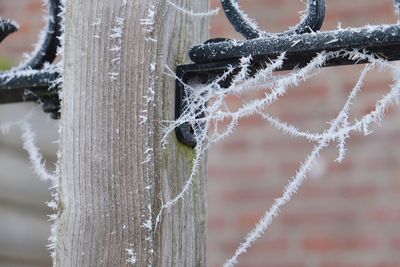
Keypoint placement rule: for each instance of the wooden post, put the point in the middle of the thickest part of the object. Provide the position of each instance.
(114, 173)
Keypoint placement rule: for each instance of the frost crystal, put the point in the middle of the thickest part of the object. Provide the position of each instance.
(116, 36)
(148, 22)
(132, 258)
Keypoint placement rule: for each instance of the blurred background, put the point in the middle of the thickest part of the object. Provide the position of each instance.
(346, 215)
(24, 228)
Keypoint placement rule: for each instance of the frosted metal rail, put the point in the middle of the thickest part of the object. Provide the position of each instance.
(300, 44)
(36, 80)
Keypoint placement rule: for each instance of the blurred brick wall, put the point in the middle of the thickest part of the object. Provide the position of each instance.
(346, 215)
(29, 15)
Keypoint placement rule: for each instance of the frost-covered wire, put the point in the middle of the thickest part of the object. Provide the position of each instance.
(241, 21)
(39, 168)
(192, 13)
(330, 135)
(29, 145)
(8, 76)
(206, 109)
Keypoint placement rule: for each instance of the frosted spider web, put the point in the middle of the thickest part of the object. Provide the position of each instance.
(211, 101)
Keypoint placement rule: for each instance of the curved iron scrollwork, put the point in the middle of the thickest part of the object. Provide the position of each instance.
(36, 79)
(6, 28)
(301, 43)
(311, 22)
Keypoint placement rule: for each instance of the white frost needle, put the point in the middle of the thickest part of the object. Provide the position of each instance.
(132, 257)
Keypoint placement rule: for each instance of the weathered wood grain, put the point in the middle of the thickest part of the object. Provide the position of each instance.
(107, 191)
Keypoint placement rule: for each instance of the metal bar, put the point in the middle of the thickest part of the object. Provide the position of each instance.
(381, 40)
(214, 58)
(30, 87)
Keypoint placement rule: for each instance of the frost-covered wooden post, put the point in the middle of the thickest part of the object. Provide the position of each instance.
(114, 172)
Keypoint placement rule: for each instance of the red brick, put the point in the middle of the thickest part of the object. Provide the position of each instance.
(396, 243)
(35, 7)
(324, 244)
(385, 215)
(386, 263)
(314, 191)
(344, 191)
(249, 195)
(366, 191)
(234, 146)
(317, 217)
(344, 166)
(241, 172)
(288, 143)
(340, 264)
(377, 10)
(216, 222)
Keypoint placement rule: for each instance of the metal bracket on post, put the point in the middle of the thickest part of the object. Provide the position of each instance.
(36, 79)
(300, 44)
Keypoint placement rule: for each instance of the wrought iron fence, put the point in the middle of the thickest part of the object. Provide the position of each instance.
(37, 79)
(300, 44)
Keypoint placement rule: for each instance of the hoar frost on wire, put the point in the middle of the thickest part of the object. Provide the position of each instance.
(8, 76)
(29, 145)
(39, 168)
(210, 100)
(192, 13)
(252, 23)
